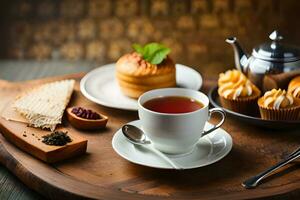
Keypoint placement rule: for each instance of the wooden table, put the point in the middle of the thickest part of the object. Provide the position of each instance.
(10, 188)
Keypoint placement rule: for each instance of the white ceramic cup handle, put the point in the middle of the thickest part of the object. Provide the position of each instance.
(210, 113)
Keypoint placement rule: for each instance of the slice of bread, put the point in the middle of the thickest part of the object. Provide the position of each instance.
(44, 106)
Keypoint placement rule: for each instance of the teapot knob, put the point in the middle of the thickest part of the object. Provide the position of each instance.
(275, 36)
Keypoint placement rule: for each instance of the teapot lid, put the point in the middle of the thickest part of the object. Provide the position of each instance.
(276, 50)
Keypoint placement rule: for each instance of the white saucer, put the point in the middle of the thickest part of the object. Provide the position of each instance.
(101, 87)
(210, 149)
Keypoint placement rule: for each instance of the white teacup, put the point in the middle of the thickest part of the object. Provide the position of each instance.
(176, 133)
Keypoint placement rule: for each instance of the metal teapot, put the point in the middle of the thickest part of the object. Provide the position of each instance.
(271, 65)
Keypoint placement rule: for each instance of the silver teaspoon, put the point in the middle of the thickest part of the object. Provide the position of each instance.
(253, 181)
(137, 137)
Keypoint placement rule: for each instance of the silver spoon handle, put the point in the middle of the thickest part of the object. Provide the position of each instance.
(253, 181)
(163, 156)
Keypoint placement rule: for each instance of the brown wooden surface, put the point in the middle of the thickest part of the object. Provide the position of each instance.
(29, 139)
(102, 174)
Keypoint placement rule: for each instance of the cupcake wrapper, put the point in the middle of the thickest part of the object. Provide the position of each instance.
(247, 106)
(280, 114)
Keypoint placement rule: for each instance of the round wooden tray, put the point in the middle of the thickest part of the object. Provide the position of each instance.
(102, 174)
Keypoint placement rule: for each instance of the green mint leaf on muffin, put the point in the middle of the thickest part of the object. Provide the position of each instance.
(138, 48)
(159, 56)
(154, 53)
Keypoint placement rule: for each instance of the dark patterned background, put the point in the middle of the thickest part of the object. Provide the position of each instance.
(103, 30)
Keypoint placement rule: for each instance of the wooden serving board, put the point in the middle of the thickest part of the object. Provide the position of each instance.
(29, 139)
(102, 174)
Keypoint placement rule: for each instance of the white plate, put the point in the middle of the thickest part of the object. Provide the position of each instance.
(210, 149)
(101, 87)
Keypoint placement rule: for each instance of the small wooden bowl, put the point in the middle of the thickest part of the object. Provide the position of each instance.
(86, 124)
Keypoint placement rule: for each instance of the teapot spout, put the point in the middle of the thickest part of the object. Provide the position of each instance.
(240, 57)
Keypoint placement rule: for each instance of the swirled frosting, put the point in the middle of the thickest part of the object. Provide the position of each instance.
(294, 87)
(277, 99)
(238, 86)
(230, 76)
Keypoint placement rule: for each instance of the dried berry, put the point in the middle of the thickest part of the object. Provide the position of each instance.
(85, 113)
(57, 138)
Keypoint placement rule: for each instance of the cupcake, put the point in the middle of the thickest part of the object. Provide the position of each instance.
(229, 76)
(294, 87)
(237, 93)
(279, 105)
(139, 72)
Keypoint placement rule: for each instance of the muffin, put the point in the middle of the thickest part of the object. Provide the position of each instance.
(279, 105)
(294, 87)
(136, 75)
(237, 93)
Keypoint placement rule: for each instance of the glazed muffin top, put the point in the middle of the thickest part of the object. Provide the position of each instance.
(233, 85)
(294, 87)
(276, 99)
(133, 64)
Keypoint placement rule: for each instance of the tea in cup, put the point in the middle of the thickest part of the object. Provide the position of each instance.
(174, 118)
